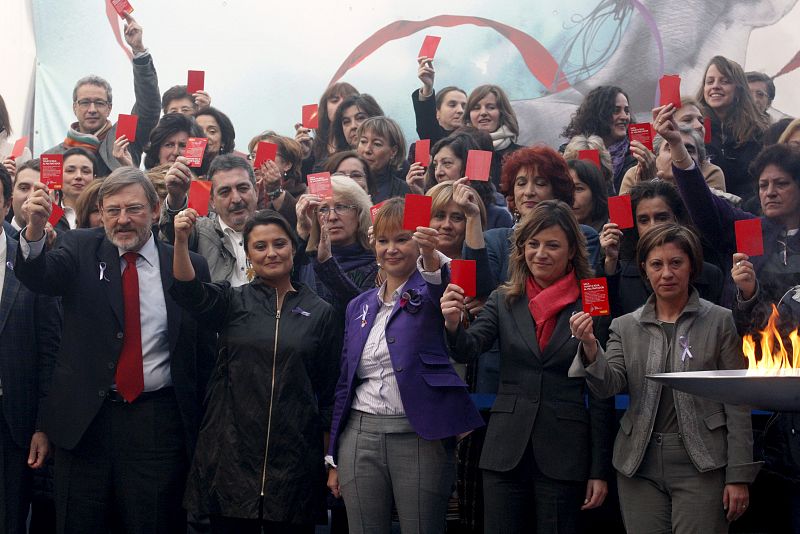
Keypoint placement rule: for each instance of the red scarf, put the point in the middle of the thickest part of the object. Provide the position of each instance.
(545, 304)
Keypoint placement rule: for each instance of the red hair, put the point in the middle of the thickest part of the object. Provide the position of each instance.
(548, 163)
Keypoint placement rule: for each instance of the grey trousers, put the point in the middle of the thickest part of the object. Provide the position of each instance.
(668, 494)
(381, 459)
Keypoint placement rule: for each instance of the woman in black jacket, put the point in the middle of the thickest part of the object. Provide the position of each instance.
(258, 458)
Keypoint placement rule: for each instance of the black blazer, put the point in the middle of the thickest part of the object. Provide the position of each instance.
(30, 327)
(93, 332)
(537, 402)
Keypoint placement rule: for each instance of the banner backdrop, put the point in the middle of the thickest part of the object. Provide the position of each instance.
(264, 60)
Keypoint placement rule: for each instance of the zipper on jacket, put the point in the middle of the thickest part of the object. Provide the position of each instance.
(269, 412)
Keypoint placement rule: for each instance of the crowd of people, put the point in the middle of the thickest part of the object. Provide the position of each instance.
(291, 359)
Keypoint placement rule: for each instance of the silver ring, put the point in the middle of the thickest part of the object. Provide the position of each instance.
(738, 264)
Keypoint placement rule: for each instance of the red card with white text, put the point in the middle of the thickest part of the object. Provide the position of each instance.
(670, 87)
(126, 125)
(707, 127)
(594, 295)
(373, 211)
(620, 211)
(463, 273)
(195, 148)
(417, 212)
(422, 152)
(199, 196)
(592, 155)
(311, 116)
(265, 151)
(51, 170)
(479, 165)
(642, 132)
(195, 81)
(122, 7)
(320, 184)
(19, 148)
(56, 214)
(429, 46)
(749, 238)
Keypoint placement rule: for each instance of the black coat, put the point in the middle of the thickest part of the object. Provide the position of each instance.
(734, 159)
(304, 343)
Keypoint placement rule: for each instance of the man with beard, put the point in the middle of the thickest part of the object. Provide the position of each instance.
(125, 400)
(218, 237)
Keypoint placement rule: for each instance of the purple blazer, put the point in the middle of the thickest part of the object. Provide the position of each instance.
(435, 398)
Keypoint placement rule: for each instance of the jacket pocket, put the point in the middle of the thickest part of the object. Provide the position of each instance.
(431, 358)
(573, 412)
(504, 404)
(716, 420)
(443, 380)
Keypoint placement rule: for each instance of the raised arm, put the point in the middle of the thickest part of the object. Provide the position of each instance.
(145, 88)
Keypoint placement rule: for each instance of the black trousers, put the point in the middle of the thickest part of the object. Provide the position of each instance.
(15, 481)
(128, 472)
(525, 500)
(234, 525)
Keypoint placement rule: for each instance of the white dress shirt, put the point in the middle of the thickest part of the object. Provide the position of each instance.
(71, 216)
(236, 241)
(152, 307)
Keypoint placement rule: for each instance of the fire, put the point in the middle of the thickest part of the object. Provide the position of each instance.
(775, 358)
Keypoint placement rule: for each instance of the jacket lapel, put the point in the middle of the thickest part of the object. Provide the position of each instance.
(110, 276)
(173, 310)
(561, 333)
(525, 325)
(10, 284)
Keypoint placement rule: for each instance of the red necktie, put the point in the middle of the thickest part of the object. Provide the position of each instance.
(130, 377)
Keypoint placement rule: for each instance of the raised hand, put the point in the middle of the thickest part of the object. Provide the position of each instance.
(120, 151)
(610, 238)
(452, 303)
(744, 275)
(426, 75)
(466, 198)
(37, 209)
(427, 240)
(416, 178)
(133, 34)
(202, 100)
(184, 222)
(306, 205)
(582, 329)
(178, 179)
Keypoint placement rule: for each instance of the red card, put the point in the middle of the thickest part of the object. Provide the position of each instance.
(19, 147)
(463, 273)
(373, 211)
(417, 212)
(620, 211)
(429, 46)
(592, 155)
(479, 165)
(126, 125)
(196, 81)
(670, 87)
(707, 125)
(749, 238)
(56, 214)
(265, 151)
(422, 152)
(199, 196)
(51, 170)
(594, 295)
(122, 7)
(320, 184)
(642, 132)
(311, 116)
(195, 148)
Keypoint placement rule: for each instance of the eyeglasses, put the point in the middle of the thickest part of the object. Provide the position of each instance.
(340, 209)
(132, 211)
(353, 175)
(99, 105)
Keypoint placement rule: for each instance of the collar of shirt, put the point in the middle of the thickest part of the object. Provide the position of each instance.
(15, 225)
(395, 294)
(149, 251)
(72, 217)
(227, 229)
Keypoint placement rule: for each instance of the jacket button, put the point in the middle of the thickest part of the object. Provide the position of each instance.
(110, 365)
(390, 340)
(119, 335)
(102, 393)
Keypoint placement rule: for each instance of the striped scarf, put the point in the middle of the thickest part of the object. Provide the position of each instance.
(90, 142)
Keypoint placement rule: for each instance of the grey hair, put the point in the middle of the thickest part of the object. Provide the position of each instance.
(123, 177)
(92, 80)
(699, 143)
(352, 193)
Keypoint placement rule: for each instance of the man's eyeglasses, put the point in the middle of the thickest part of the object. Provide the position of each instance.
(131, 211)
(99, 105)
(353, 175)
(340, 209)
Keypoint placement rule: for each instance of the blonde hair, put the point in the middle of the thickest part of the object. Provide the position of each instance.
(391, 132)
(351, 193)
(790, 130)
(442, 194)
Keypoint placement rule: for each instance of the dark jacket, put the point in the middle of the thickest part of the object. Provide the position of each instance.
(388, 184)
(734, 159)
(537, 404)
(425, 114)
(302, 345)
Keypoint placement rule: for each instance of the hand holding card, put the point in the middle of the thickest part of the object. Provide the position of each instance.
(463, 273)
(122, 7)
(620, 211)
(749, 237)
(594, 295)
(417, 212)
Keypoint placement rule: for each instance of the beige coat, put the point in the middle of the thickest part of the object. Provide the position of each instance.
(713, 175)
(715, 435)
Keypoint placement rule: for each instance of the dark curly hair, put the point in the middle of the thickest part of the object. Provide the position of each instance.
(595, 112)
(365, 103)
(227, 132)
(169, 125)
(548, 163)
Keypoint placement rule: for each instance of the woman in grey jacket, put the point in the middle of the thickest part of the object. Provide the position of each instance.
(683, 462)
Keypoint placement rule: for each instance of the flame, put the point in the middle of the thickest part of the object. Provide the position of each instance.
(775, 359)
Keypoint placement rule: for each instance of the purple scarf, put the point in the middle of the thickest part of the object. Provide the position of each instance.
(619, 151)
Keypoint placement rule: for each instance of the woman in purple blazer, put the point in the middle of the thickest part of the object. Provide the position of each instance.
(399, 404)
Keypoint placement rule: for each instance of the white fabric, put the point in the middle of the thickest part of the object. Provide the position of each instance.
(236, 242)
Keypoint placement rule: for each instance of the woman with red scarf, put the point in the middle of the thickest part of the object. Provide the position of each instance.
(546, 455)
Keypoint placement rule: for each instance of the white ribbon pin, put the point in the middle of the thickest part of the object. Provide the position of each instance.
(363, 315)
(103, 266)
(684, 342)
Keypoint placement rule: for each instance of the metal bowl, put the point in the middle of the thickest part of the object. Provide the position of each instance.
(776, 393)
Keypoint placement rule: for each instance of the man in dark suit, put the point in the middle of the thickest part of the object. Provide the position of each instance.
(26, 363)
(124, 406)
